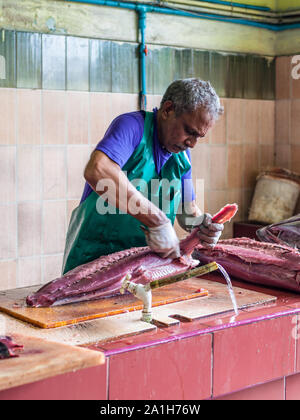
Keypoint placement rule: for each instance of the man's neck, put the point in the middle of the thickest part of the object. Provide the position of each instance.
(159, 128)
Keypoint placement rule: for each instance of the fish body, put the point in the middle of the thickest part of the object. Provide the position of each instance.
(103, 277)
(286, 232)
(7, 347)
(272, 265)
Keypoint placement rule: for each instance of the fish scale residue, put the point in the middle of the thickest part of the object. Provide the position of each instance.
(157, 274)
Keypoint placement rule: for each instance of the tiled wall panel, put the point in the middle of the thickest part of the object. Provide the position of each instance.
(54, 117)
(124, 68)
(77, 117)
(8, 117)
(100, 66)
(29, 228)
(29, 60)
(8, 54)
(77, 63)
(8, 228)
(179, 370)
(29, 172)
(28, 116)
(255, 354)
(53, 62)
(8, 174)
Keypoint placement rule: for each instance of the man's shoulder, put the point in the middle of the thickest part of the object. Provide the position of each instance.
(130, 119)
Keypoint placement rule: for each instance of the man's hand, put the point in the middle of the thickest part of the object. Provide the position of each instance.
(163, 240)
(209, 233)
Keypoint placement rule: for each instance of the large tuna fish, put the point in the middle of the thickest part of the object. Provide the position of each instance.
(103, 276)
(268, 264)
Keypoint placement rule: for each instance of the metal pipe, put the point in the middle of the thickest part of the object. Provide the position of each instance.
(143, 52)
(199, 271)
(199, 6)
(142, 10)
(240, 5)
(208, 16)
(143, 292)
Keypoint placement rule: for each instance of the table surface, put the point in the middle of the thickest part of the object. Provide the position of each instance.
(40, 359)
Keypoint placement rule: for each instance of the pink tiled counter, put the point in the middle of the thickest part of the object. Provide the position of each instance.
(255, 355)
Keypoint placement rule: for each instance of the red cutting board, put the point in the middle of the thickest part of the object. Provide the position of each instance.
(13, 303)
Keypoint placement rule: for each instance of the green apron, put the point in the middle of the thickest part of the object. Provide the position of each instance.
(91, 235)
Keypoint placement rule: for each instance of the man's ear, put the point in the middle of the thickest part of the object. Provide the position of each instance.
(166, 109)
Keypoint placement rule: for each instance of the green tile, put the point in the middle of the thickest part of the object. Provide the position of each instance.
(48, 61)
(150, 70)
(159, 68)
(163, 73)
(235, 83)
(100, 66)
(53, 62)
(134, 56)
(260, 78)
(29, 60)
(77, 63)
(7, 58)
(269, 81)
(218, 70)
(178, 64)
(187, 67)
(201, 64)
(253, 81)
(125, 68)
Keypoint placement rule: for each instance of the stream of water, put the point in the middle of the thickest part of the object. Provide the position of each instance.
(230, 288)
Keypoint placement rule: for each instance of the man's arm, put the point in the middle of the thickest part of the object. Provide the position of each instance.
(160, 236)
(99, 168)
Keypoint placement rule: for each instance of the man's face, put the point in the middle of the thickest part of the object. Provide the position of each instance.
(179, 133)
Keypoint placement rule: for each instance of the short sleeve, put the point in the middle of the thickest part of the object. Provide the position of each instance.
(122, 137)
(120, 140)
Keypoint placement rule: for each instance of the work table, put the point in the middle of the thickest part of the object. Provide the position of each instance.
(254, 355)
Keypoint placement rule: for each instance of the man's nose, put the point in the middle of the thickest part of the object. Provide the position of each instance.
(191, 142)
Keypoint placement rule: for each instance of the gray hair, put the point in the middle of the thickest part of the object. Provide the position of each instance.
(190, 94)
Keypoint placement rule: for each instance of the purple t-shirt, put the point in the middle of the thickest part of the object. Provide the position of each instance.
(121, 139)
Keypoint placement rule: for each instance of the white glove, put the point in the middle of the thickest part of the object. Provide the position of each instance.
(163, 240)
(209, 233)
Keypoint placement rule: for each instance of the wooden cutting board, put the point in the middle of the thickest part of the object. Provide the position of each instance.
(13, 303)
(41, 359)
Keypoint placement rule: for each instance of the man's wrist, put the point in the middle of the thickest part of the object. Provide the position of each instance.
(154, 219)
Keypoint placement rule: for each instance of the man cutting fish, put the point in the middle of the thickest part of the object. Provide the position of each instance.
(144, 157)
